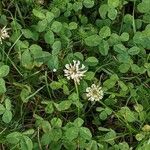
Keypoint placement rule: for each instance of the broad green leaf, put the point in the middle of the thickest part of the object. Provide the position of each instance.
(64, 105)
(88, 3)
(49, 16)
(2, 86)
(56, 122)
(103, 10)
(92, 61)
(8, 104)
(56, 26)
(2, 109)
(120, 48)
(124, 36)
(73, 25)
(27, 60)
(122, 85)
(7, 116)
(71, 133)
(103, 47)
(123, 68)
(49, 37)
(105, 32)
(89, 75)
(26, 143)
(55, 134)
(14, 137)
(113, 3)
(93, 40)
(41, 26)
(38, 14)
(29, 132)
(85, 133)
(56, 47)
(134, 50)
(112, 13)
(4, 70)
(78, 122)
(53, 62)
(55, 85)
(24, 94)
(127, 114)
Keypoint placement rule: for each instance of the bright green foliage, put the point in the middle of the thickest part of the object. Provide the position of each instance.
(55, 54)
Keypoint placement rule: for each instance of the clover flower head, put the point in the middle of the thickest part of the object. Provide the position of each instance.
(3, 33)
(94, 93)
(74, 71)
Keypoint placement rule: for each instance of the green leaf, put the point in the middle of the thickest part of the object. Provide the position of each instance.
(110, 83)
(113, 3)
(36, 51)
(105, 32)
(56, 47)
(45, 140)
(29, 132)
(56, 26)
(78, 122)
(49, 16)
(103, 10)
(46, 126)
(88, 3)
(124, 36)
(122, 85)
(49, 37)
(26, 143)
(41, 26)
(66, 90)
(4, 70)
(38, 14)
(27, 33)
(2, 109)
(104, 47)
(55, 85)
(56, 122)
(7, 116)
(103, 115)
(112, 13)
(2, 86)
(134, 50)
(135, 68)
(55, 134)
(89, 75)
(120, 48)
(73, 25)
(24, 94)
(71, 133)
(85, 133)
(64, 105)
(144, 6)
(53, 62)
(14, 137)
(127, 114)
(49, 108)
(123, 68)
(8, 104)
(27, 60)
(93, 40)
(92, 61)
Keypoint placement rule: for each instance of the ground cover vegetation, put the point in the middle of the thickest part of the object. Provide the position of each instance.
(74, 74)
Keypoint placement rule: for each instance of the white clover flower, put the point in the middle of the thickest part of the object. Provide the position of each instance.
(74, 71)
(94, 93)
(3, 33)
(54, 70)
